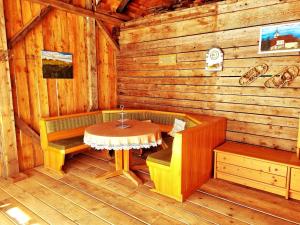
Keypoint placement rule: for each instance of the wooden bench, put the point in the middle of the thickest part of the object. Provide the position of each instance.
(188, 163)
(63, 135)
(191, 152)
(270, 170)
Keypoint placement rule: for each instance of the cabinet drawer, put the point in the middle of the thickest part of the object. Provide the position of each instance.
(252, 163)
(255, 175)
(251, 183)
(295, 179)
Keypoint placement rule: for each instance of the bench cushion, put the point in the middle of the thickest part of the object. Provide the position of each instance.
(163, 156)
(67, 143)
(69, 123)
(111, 116)
(155, 117)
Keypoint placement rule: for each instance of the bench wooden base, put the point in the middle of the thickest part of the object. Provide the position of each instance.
(54, 159)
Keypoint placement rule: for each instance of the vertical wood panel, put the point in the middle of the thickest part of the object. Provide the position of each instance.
(8, 145)
(32, 61)
(35, 97)
(91, 58)
(21, 76)
(106, 60)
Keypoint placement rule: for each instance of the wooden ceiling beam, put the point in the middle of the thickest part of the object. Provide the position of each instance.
(108, 36)
(28, 27)
(112, 18)
(122, 6)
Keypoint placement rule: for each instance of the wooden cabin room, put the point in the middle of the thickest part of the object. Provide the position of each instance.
(158, 112)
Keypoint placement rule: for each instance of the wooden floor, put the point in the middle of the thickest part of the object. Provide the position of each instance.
(81, 198)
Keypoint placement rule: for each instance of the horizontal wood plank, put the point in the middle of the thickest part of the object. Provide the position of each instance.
(201, 11)
(213, 23)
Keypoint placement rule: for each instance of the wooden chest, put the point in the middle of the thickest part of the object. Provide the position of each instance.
(266, 169)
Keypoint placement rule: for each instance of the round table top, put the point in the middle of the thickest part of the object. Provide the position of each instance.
(109, 136)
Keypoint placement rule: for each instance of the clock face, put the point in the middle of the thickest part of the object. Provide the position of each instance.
(214, 54)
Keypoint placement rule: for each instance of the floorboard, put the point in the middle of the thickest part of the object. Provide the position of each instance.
(81, 197)
(5, 220)
(14, 210)
(254, 199)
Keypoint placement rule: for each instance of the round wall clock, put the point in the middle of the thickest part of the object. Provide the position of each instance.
(214, 59)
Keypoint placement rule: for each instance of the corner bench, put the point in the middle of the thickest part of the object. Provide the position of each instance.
(267, 169)
(177, 171)
(188, 163)
(62, 135)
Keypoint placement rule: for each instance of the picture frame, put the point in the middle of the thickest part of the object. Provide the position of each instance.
(57, 65)
(279, 38)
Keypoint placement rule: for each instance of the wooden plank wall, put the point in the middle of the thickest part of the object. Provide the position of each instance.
(260, 116)
(35, 97)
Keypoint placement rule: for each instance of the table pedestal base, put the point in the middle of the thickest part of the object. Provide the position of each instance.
(122, 164)
(138, 166)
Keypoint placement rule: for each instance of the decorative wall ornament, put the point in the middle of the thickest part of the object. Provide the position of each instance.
(167, 60)
(255, 72)
(57, 65)
(284, 78)
(280, 38)
(214, 59)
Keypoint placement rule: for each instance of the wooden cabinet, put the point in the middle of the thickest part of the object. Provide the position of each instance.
(266, 169)
(295, 183)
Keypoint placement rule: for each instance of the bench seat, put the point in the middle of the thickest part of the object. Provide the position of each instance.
(162, 156)
(67, 143)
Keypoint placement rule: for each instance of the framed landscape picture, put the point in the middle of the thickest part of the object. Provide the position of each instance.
(280, 38)
(57, 65)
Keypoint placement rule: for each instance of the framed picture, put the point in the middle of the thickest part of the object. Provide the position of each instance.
(57, 65)
(280, 38)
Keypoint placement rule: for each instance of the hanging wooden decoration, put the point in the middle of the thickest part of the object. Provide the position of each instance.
(255, 72)
(214, 59)
(284, 78)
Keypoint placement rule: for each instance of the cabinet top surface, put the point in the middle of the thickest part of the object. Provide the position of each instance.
(263, 153)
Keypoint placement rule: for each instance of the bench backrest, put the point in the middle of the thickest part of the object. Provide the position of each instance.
(61, 127)
(158, 117)
(55, 128)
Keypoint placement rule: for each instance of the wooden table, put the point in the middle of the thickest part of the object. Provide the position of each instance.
(111, 137)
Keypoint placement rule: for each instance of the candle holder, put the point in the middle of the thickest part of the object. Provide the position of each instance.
(122, 120)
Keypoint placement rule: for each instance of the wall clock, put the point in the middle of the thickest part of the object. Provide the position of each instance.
(214, 59)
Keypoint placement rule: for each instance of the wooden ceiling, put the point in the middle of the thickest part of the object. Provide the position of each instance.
(138, 8)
